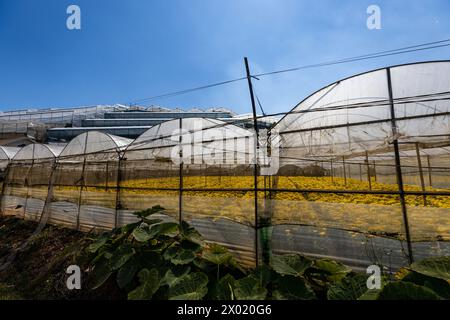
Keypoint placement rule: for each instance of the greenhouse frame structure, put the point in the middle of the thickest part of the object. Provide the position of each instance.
(359, 171)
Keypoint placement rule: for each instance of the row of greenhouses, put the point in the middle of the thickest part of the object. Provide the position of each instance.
(359, 171)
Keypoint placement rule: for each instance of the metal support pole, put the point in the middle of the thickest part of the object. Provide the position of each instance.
(255, 167)
(332, 171)
(374, 171)
(5, 180)
(118, 183)
(107, 175)
(429, 170)
(46, 212)
(422, 180)
(368, 171)
(398, 168)
(180, 192)
(82, 181)
(27, 179)
(81, 193)
(345, 174)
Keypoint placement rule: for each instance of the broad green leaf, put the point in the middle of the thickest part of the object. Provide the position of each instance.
(224, 288)
(93, 247)
(217, 254)
(149, 280)
(293, 288)
(192, 286)
(350, 288)
(126, 274)
(371, 294)
(437, 267)
(406, 291)
(249, 288)
(441, 287)
(170, 229)
(141, 233)
(290, 264)
(183, 257)
(191, 234)
(121, 256)
(147, 212)
(170, 252)
(126, 229)
(101, 273)
(204, 265)
(151, 221)
(264, 274)
(333, 270)
(173, 274)
(149, 259)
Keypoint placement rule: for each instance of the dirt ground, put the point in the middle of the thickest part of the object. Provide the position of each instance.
(38, 269)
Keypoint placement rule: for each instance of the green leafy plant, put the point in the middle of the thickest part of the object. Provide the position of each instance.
(158, 259)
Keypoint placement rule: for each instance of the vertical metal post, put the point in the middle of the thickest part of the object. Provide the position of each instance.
(345, 174)
(224, 151)
(82, 181)
(45, 213)
(422, 180)
(398, 168)
(107, 175)
(429, 170)
(118, 183)
(374, 170)
(81, 193)
(5, 180)
(332, 173)
(368, 171)
(235, 153)
(180, 192)
(255, 167)
(29, 172)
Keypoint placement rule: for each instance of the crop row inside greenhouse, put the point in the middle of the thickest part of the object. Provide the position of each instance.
(359, 171)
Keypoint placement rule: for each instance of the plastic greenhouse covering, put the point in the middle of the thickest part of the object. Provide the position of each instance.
(6, 155)
(359, 171)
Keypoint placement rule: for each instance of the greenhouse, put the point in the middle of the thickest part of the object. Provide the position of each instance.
(27, 179)
(6, 155)
(359, 172)
(86, 169)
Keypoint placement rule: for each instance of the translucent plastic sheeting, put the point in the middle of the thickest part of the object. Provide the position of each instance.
(338, 159)
(38, 152)
(28, 179)
(85, 181)
(7, 153)
(326, 119)
(155, 164)
(201, 141)
(342, 138)
(94, 142)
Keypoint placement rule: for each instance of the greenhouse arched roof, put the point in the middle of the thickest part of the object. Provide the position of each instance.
(38, 151)
(94, 141)
(210, 136)
(7, 153)
(354, 115)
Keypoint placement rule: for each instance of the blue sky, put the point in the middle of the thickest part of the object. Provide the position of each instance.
(128, 50)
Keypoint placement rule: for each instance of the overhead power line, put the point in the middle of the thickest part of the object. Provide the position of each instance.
(421, 47)
(380, 54)
(176, 93)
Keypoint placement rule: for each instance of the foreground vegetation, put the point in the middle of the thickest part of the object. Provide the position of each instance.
(153, 259)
